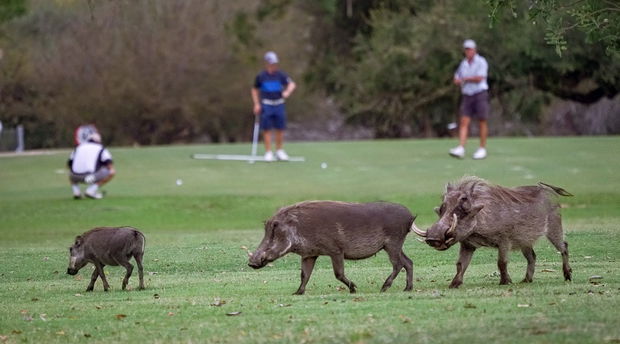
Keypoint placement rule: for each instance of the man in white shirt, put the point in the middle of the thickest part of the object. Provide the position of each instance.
(471, 76)
(90, 163)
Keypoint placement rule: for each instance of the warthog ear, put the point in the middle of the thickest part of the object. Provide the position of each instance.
(449, 188)
(474, 210)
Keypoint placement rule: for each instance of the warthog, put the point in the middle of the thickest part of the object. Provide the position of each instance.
(476, 214)
(341, 231)
(107, 246)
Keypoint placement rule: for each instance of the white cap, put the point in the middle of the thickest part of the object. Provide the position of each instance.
(469, 44)
(271, 57)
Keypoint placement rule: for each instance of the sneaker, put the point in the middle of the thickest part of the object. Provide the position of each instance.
(269, 156)
(94, 195)
(458, 152)
(281, 155)
(481, 153)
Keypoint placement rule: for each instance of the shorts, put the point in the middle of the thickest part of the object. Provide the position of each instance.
(475, 106)
(273, 117)
(100, 175)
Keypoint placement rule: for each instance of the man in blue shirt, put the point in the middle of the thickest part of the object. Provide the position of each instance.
(471, 76)
(271, 87)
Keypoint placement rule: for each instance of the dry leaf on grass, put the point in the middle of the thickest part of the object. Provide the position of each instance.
(218, 303)
(232, 314)
(121, 316)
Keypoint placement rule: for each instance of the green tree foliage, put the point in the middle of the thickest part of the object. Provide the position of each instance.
(599, 20)
(10, 9)
(397, 74)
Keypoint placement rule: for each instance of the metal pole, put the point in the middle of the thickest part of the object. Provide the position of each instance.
(255, 138)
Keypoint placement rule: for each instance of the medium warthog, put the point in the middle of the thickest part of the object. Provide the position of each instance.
(341, 231)
(476, 214)
(107, 246)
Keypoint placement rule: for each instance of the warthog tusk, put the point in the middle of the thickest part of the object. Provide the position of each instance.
(420, 240)
(449, 241)
(417, 230)
(250, 254)
(454, 222)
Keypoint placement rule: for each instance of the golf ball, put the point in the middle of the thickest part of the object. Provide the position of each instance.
(179, 182)
(323, 165)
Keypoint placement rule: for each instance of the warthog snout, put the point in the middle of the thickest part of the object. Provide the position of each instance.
(440, 236)
(72, 271)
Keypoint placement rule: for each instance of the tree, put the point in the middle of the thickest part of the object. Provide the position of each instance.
(599, 20)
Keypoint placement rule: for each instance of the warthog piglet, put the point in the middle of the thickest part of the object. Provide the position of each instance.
(103, 246)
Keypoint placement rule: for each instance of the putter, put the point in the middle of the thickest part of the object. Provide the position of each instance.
(249, 158)
(254, 140)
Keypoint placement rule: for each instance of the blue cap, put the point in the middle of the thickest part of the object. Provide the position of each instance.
(271, 57)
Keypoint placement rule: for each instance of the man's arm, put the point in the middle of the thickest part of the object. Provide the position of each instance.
(256, 101)
(110, 167)
(290, 87)
(481, 73)
(475, 79)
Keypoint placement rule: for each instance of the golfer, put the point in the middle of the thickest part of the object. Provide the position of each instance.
(471, 76)
(90, 163)
(271, 87)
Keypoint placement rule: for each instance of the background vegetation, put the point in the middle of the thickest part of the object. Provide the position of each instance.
(168, 71)
(196, 270)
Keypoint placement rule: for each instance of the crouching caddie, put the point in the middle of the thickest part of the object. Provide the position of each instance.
(90, 163)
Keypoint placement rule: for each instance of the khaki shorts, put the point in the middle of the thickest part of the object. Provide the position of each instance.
(101, 174)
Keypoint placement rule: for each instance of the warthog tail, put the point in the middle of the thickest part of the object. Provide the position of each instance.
(137, 234)
(556, 189)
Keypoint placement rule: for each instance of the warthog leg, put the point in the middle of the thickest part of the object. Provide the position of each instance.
(555, 234)
(138, 258)
(99, 267)
(409, 270)
(502, 265)
(530, 256)
(307, 265)
(129, 268)
(399, 261)
(93, 278)
(338, 265)
(465, 255)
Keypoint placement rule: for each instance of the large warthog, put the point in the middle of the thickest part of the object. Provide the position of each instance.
(477, 214)
(341, 231)
(107, 246)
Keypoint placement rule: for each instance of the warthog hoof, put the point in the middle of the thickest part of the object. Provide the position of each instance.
(455, 284)
(505, 281)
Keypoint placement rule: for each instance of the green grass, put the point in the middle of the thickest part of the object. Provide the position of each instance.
(197, 272)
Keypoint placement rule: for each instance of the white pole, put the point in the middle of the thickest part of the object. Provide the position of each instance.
(20, 139)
